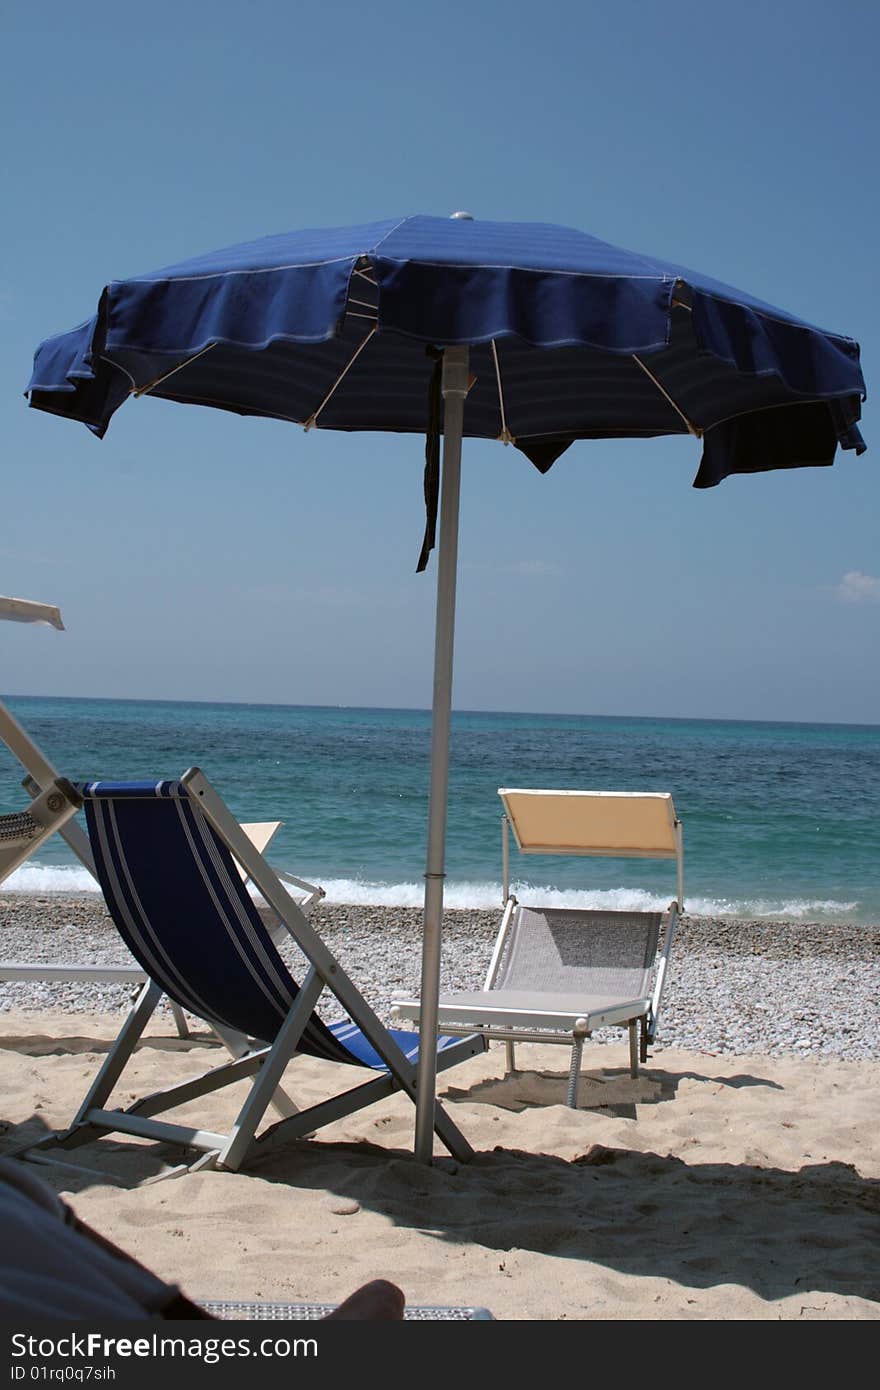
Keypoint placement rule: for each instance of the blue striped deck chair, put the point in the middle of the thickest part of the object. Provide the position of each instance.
(196, 930)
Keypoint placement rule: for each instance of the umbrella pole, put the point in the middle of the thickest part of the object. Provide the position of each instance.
(454, 387)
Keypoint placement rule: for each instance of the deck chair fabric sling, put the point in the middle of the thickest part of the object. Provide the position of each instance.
(198, 934)
(558, 974)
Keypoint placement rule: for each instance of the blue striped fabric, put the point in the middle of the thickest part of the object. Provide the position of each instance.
(124, 790)
(275, 327)
(353, 1039)
(179, 903)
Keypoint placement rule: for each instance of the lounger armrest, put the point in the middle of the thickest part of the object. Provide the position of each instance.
(489, 1009)
(95, 974)
(406, 1008)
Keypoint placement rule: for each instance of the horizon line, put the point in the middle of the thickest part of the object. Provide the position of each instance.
(407, 709)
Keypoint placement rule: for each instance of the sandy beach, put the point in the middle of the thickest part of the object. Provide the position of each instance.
(719, 1185)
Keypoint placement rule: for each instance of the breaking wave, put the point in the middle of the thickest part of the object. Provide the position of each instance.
(43, 880)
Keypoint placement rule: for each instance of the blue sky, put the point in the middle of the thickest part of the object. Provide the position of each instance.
(199, 556)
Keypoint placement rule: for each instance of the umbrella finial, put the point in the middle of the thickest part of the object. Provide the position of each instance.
(461, 217)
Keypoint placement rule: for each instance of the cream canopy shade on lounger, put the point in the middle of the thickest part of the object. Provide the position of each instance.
(639, 825)
(578, 822)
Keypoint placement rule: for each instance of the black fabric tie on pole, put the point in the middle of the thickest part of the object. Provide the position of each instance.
(432, 459)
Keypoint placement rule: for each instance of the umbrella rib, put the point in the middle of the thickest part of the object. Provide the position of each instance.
(313, 418)
(692, 428)
(142, 390)
(505, 436)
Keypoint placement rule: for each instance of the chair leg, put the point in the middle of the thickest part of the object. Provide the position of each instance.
(239, 1046)
(80, 1131)
(633, 1048)
(324, 1113)
(179, 1020)
(574, 1071)
(264, 1088)
(366, 1093)
(282, 1104)
(117, 1057)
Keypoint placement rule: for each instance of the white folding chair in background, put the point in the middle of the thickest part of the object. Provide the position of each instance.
(22, 833)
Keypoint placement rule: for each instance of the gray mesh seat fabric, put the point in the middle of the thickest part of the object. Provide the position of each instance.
(558, 974)
(607, 953)
(559, 965)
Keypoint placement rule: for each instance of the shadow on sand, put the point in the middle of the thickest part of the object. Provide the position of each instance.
(45, 1045)
(611, 1089)
(777, 1232)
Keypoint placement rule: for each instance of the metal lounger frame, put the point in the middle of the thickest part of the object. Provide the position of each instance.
(500, 1023)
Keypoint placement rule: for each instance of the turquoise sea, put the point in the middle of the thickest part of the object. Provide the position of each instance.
(779, 820)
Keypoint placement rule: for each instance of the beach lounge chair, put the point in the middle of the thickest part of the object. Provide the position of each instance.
(198, 934)
(557, 974)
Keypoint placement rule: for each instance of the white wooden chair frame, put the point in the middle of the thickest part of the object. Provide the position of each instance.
(265, 1063)
(41, 773)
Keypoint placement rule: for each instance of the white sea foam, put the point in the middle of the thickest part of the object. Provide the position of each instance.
(44, 880)
(487, 896)
(791, 909)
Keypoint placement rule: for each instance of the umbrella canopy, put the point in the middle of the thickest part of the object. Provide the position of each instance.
(570, 338)
(533, 334)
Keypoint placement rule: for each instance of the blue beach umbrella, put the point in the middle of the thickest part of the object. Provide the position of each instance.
(532, 334)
